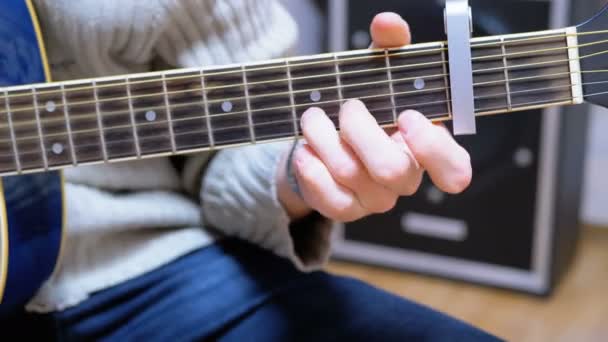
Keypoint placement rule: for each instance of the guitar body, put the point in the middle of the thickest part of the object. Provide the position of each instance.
(31, 206)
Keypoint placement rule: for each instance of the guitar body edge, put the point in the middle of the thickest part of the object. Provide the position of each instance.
(32, 207)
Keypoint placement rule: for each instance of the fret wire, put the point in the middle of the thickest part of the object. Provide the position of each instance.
(437, 116)
(292, 101)
(334, 101)
(12, 131)
(391, 86)
(338, 79)
(488, 111)
(267, 82)
(42, 145)
(207, 112)
(133, 123)
(382, 95)
(498, 69)
(100, 124)
(248, 104)
(507, 85)
(525, 54)
(68, 125)
(551, 35)
(487, 83)
(446, 81)
(169, 115)
(194, 131)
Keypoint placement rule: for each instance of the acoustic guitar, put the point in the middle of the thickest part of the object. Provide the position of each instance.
(48, 126)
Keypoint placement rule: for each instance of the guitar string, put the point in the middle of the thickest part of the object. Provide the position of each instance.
(439, 64)
(238, 86)
(371, 51)
(476, 45)
(130, 98)
(46, 121)
(332, 116)
(203, 132)
(276, 94)
(267, 109)
(219, 115)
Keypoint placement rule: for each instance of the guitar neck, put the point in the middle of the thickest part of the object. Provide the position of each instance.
(64, 124)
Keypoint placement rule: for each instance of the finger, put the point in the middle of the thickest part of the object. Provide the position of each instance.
(344, 166)
(321, 191)
(386, 163)
(389, 30)
(448, 164)
(414, 178)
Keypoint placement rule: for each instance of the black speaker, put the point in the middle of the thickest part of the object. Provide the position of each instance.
(516, 227)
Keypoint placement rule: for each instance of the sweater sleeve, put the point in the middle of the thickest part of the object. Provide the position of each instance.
(239, 197)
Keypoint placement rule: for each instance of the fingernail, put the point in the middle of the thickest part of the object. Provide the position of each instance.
(310, 112)
(411, 121)
(354, 104)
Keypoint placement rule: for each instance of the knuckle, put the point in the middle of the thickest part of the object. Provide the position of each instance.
(385, 204)
(413, 185)
(390, 173)
(343, 211)
(346, 171)
(460, 181)
(463, 181)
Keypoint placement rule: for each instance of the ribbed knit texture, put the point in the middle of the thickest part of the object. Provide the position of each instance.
(126, 219)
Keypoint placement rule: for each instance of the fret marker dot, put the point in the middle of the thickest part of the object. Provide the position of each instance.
(50, 106)
(315, 96)
(57, 148)
(419, 84)
(150, 115)
(227, 106)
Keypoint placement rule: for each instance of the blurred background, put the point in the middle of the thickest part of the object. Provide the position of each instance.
(524, 252)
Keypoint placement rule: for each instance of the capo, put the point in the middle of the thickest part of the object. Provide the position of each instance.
(459, 27)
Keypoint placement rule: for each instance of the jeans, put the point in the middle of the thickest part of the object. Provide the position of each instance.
(234, 291)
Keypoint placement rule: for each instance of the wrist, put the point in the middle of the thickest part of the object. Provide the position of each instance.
(289, 198)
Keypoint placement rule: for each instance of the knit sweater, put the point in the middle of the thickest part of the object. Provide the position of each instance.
(128, 218)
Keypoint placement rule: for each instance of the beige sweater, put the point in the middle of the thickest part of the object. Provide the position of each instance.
(127, 219)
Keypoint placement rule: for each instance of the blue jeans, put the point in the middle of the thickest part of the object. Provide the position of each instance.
(233, 291)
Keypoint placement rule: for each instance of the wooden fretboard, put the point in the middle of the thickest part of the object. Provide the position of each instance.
(64, 124)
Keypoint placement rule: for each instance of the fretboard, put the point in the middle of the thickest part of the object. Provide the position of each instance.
(62, 124)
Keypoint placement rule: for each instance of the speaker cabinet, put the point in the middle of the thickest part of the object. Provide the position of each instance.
(516, 227)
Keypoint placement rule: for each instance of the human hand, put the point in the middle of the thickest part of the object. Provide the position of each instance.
(363, 169)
